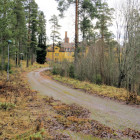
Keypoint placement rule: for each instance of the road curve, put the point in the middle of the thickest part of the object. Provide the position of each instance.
(108, 112)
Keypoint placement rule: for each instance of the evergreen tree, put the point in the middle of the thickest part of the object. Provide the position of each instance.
(55, 35)
(104, 21)
(31, 10)
(6, 7)
(41, 51)
(19, 27)
(34, 13)
(87, 13)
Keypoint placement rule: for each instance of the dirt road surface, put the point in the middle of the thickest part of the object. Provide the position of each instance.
(111, 113)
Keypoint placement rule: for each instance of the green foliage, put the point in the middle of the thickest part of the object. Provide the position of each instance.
(55, 35)
(41, 54)
(55, 70)
(71, 71)
(37, 136)
(104, 17)
(7, 106)
(41, 50)
(6, 65)
(97, 79)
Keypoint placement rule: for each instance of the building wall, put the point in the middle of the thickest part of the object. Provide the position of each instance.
(59, 56)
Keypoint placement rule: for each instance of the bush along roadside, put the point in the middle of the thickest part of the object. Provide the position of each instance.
(119, 94)
(93, 83)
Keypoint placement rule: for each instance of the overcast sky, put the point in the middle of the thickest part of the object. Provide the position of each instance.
(49, 7)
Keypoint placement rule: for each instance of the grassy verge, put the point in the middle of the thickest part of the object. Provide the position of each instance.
(101, 90)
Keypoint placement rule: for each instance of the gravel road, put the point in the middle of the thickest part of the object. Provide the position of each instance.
(106, 111)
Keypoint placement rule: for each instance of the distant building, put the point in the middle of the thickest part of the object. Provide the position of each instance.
(66, 51)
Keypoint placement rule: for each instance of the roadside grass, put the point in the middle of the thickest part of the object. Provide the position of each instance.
(101, 90)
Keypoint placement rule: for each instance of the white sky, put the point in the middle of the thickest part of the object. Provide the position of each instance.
(49, 7)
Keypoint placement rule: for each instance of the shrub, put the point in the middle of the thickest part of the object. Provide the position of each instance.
(6, 65)
(55, 70)
(6, 106)
(71, 71)
(38, 135)
(96, 79)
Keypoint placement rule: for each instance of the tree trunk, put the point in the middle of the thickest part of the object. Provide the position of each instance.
(3, 59)
(102, 59)
(16, 58)
(76, 30)
(29, 41)
(19, 48)
(32, 56)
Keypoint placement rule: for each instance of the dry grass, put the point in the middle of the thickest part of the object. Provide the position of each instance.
(101, 90)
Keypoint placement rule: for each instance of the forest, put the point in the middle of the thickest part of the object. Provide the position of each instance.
(79, 99)
(24, 24)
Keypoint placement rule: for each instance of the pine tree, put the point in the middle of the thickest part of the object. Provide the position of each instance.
(5, 27)
(19, 27)
(55, 35)
(104, 21)
(41, 51)
(31, 10)
(34, 13)
(87, 13)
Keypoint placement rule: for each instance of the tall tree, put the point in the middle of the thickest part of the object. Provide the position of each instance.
(6, 7)
(84, 8)
(41, 50)
(55, 35)
(34, 13)
(104, 21)
(63, 5)
(132, 48)
(28, 21)
(19, 28)
(31, 19)
(87, 12)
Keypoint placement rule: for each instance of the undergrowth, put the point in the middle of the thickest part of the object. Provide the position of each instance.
(101, 90)
(7, 106)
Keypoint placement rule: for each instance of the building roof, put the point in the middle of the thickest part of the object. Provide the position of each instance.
(67, 45)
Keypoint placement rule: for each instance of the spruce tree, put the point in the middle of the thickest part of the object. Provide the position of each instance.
(19, 27)
(6, 17)
(41, 50)
(34, 13)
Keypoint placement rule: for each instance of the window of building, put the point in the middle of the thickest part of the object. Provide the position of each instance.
(56, 54)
